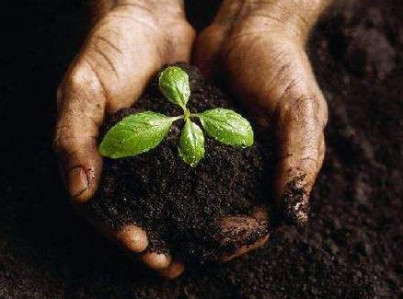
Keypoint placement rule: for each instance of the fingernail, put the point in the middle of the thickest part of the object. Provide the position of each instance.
(77, 182)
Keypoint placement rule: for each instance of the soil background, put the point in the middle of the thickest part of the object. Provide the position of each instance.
(352, 247)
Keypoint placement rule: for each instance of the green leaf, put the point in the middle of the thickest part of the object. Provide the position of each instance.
(174, 85)
(227, 127)
(135, 134)
(191, 147)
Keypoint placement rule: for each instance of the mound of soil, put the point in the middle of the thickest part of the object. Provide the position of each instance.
(179, 206)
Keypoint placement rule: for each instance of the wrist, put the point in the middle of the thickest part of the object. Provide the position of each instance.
(157, 7)
(290, 18)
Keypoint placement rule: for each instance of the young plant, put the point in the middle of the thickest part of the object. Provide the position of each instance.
(141, 132)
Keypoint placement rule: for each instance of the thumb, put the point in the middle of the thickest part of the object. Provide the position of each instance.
(300, 116)
(81, 105)
(209, 43)
(207, 50)
(301, 153)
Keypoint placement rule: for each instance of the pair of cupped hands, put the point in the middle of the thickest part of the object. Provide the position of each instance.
(257, 46)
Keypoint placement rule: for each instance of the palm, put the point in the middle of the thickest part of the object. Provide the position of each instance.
(123, 42)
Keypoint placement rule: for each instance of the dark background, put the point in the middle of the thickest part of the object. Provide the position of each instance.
(353, 245)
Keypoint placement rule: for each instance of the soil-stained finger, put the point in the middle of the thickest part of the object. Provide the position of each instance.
(243, 233)
(301, 122)
(244, 249)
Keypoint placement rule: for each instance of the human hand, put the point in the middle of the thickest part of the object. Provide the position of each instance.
(259, 45)
(128, 44)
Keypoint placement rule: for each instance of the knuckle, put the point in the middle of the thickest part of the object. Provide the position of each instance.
(80, 87)
(303, 104)
(305, 108)
(82, 79)
(78, 78)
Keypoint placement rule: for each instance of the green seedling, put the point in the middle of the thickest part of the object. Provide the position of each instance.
(141, 132)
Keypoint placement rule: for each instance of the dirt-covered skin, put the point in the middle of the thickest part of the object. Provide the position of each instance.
(352, 245)
(181, 207)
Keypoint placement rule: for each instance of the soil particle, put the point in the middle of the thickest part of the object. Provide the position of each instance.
(294, 202)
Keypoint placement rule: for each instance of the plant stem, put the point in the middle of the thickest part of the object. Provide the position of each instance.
(186, 114)
(177, 118)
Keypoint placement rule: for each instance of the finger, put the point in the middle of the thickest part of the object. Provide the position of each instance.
(174, 270)
(207, 50)
(245, 249)
(300, 125)
(132, 238)
(156, 261)
(243, 233)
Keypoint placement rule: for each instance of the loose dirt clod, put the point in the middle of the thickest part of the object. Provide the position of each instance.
(294, 204)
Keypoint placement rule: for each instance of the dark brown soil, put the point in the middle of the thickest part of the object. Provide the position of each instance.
(352, 246)
(180, 207)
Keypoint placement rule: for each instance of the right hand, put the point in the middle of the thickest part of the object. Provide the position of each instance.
(128, 44)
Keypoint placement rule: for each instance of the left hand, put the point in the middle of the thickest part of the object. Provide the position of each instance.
(129, 43)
